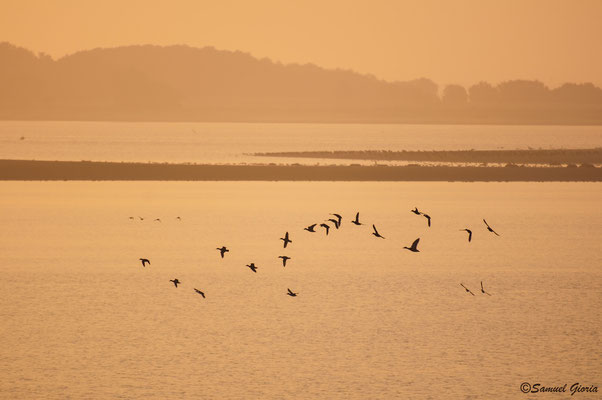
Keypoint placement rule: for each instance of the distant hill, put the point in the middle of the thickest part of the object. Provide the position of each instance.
(181, 83)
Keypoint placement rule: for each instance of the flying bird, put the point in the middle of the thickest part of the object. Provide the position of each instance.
(222, 250)
(199, 292)
(284, 258)
(253, 267)
(131, 217)
(145, 261)
(339, 217)
(178, 218)
(141, 219)
(325, 226)
(414, 246)
(291, 293)
(176, 282)
(415, 211)
(356, 221)
(310, 228)
(157, 219)
(375, 233)
(483, 290)
(489, 228)
(286, 240)
(467, 289)
(469, 233)
(428, 217)
(335, 222)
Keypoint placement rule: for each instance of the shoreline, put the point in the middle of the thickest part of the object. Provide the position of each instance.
(32, 170)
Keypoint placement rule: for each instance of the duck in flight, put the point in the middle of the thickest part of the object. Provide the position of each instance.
(489, 228)
(325, 226)
(356, 221)
(375, 233)
(339, 217)
(310, 228)
(286, 240)
(222, 250)
(415, 211)
(469, 233)
(428, 217)
(199, 292)
(483, 290)
(176, 282)
(291, 293)
(414, 246)
(467, 289)
(335, 222)
(145, 261)
(252, 267)
(284, 258)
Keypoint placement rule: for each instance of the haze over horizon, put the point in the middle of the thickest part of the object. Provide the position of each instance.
(463, 43)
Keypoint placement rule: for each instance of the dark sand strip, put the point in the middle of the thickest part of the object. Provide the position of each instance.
(550, 156)
(112, 171)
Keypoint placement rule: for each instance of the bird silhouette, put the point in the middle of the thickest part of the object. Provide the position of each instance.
(222, 250)
(339, 217)
(483, 290)
(253, 267)
(375, 233)
(145, 261)
(335, 222)
(158, 219)
(467, 289)
(356, 221)
(469, 233)
(325, 226)
(428, 217)
(176, 282)
(131, 217)
(141, 219)
(286, 240)
(291, 293)
(199, 292)
(310, 228)
(415, 211)
(178, 218)
(414, 246)
(284, 258)
(489, 228)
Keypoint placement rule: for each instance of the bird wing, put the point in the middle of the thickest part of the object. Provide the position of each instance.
(375, 231)
(286, 236)
(469, 235)
(486, 223)
(482, 286)
(357, 217)
(415, 243)
(290, 291)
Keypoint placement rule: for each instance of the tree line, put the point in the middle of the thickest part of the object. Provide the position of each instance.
(181, 83)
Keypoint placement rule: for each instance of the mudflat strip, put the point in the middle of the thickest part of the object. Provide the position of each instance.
(533, 156)
(117, 171)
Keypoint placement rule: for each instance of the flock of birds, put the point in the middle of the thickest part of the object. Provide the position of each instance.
(337, 221)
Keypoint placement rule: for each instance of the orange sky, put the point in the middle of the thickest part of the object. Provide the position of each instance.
(459, 41)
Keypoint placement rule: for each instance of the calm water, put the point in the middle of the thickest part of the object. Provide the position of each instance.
(82, 319)
(229, 142)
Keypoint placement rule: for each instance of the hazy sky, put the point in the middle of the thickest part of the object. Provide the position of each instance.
(459, 41)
